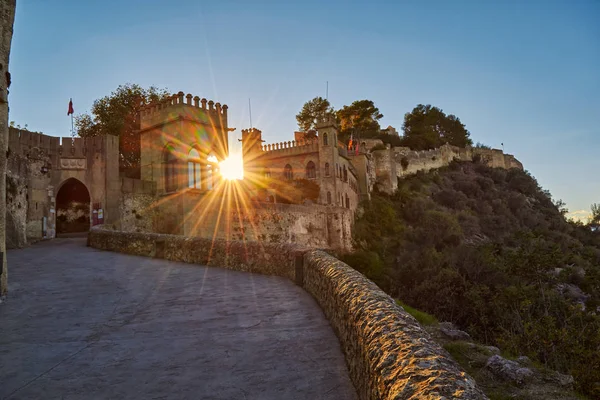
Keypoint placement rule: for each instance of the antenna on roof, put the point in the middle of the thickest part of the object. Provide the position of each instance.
(250, 111)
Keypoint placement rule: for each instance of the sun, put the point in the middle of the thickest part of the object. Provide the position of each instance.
(232, 168)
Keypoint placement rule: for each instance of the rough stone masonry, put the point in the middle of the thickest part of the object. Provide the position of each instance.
(7, 19)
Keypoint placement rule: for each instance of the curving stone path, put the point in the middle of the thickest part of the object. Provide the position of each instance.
(81, 323)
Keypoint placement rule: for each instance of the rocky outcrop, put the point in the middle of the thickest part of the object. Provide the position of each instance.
(452, 332)
(509, 370)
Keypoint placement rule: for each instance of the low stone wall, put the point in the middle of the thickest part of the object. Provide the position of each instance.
(267, 259)
(389, 355)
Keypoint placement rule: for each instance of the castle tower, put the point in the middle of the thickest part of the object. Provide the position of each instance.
(251, 151)
(180, 130)
(328, 158)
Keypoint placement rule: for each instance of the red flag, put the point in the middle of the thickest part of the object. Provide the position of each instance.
(71, 111)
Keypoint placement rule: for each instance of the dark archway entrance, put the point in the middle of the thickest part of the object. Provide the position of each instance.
(72, 207)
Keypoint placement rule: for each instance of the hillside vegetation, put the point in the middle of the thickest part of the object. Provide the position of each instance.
(488, 250)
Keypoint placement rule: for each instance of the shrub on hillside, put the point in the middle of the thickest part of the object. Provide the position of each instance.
(480, 247)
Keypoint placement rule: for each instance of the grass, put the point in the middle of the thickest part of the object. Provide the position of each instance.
(422, 317)
(459, 351)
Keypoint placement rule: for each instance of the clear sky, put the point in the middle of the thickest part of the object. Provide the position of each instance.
(522, 73)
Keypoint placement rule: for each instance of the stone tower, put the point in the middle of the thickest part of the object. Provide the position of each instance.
(175, 129)
(251, 151)
(328, 155)
(7, 18)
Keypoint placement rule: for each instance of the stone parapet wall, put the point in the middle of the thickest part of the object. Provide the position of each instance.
(255, 257)
(388, 354)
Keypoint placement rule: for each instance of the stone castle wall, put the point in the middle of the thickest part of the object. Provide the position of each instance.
(388, 354)
(138, 205)
(38, 165)
(18, 169)
(7, 18)
(314, 226)
(189, 214)
(392, 163)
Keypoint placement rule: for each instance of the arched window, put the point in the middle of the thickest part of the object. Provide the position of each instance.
(194, 170)
(345, 174)
(311, 170)
(326, 169)
(347, 202)
(211, 169)
(288, 173)
(325, 142)
(328, 197)
(170, 170)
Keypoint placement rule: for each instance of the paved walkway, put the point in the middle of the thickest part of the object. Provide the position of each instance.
(86, 324)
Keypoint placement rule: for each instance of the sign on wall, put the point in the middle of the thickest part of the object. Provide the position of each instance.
(73, 163)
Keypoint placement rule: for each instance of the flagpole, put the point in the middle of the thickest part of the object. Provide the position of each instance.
(70, 112)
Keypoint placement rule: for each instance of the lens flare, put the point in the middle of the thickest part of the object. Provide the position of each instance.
(232, 168)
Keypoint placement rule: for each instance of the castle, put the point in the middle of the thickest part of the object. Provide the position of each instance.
(55, 186)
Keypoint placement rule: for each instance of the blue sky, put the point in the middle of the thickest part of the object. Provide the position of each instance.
(522, 73)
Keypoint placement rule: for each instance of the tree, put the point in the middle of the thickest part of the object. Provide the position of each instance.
(311, 112)
(116, 115)
(595, 218)
(12, 124)
(427, 127)
(360, 118)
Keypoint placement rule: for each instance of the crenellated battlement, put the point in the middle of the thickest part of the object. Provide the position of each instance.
(182, 100)
(22, 141)
(292, 146)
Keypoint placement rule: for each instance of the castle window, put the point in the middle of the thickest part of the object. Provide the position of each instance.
(170, 170)
(328, 197)
(325, 142)
(211, 169)
(347, 202)
(326, 169)
(288, 173)
(311, 170)
(345, 174)
(194, 170)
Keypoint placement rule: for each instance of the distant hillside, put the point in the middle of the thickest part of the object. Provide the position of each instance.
(488, 250)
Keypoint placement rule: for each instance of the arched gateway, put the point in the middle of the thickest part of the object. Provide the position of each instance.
(72, 207)
(63, 185)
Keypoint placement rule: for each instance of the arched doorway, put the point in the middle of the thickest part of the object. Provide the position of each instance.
(72, 207)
